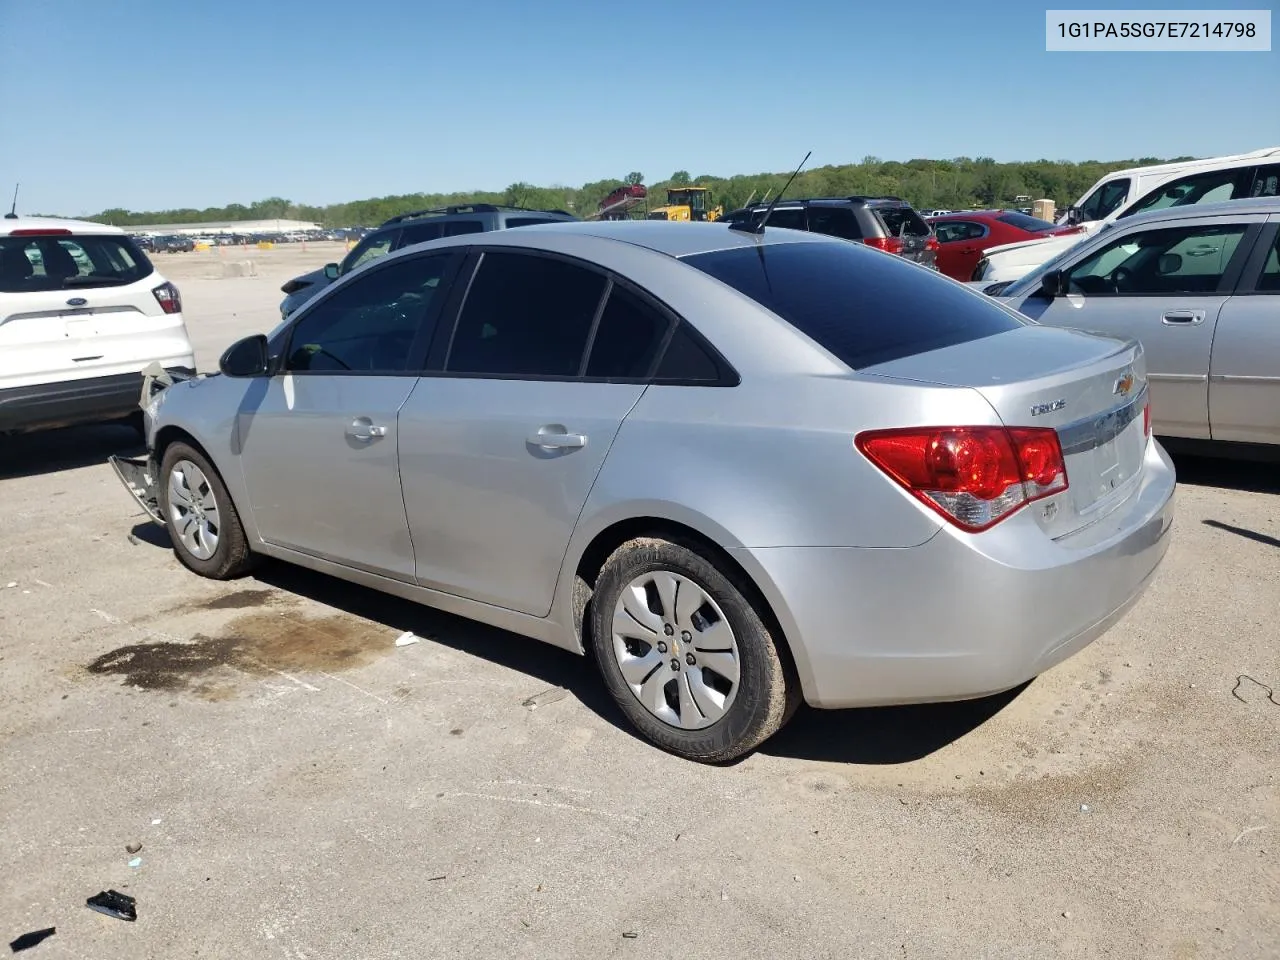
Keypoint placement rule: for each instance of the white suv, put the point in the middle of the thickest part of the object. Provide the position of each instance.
(82, 313)
(1125, 192)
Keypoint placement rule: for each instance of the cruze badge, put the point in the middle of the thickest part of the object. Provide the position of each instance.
(1038, 408)
(1124, 384)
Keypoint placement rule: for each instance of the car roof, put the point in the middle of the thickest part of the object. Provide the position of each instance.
(661, 236)
(7, 226)
(1263, 205)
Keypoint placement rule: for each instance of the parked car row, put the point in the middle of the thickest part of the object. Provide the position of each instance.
(743, 467)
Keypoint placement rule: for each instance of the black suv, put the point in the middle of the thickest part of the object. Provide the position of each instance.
(410, 228)
(887, 223)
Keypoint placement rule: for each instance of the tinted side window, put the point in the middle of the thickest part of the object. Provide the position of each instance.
(789, 219)
(525, 316)
(1269, 279)
(951, 231)
(1200, 188)
(686, 360)
(835, 222)
(369, 325)
(420, 233)
(862, 307)
(628, 337)
(459, 227)
(530, 221)
(1105, 200)
(1181, 260)
(1266, 181)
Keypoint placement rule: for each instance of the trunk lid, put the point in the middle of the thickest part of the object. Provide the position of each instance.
(1090, 389)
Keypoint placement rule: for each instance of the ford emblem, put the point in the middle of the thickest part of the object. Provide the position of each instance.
(77, 302)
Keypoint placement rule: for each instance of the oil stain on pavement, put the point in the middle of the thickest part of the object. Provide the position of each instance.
(254, 645)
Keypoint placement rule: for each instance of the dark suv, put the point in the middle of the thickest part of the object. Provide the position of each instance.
(887, 223)
(410, 228)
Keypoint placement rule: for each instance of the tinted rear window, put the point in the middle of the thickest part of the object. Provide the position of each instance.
(1023, 222)
(29, 264)
(862, 306)
(895, 218)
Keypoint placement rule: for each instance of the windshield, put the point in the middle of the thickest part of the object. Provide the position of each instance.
(1029, 280)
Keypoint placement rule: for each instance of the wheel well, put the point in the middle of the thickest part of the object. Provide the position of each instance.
(170, 435)
(610, 538)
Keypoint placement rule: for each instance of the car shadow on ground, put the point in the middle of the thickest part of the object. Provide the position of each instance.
(50, 451)
(1251, 476)
(877, 735)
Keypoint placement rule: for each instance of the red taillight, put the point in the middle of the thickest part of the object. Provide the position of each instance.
(168, 297)
(887, 244)
(40, 232)
(973, 476)
(1146, 418)
(931, 243)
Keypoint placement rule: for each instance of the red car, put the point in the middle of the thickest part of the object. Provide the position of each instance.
(963, 237)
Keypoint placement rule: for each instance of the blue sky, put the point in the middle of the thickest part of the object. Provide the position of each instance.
(151, 104)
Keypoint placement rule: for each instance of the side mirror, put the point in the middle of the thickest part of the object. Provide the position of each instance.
(246, 358)
(1051, 284)
(1073, 215)
(331, 271)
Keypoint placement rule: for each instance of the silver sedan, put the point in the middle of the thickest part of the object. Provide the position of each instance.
(742, 470)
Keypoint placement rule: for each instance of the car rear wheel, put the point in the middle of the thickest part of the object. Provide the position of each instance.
(686, 654)
(200, 517)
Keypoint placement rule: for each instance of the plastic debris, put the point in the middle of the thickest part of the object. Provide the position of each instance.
(629, 934)
(135, 862)
(545, 697)
(1085, 808)
(406, 638)
(29, 940)
(11, 584)
(133, 846)
(156, 822)
(114, 904)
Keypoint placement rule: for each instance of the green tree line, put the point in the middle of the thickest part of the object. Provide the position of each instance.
(959, 183)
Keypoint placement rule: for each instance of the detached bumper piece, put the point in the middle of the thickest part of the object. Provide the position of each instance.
(136, 475)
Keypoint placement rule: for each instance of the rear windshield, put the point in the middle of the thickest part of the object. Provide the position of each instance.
(1023, 222)
(895, 218)
(862, 306)
(32, 264)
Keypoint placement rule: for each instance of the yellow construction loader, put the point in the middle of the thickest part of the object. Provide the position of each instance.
(687, 203)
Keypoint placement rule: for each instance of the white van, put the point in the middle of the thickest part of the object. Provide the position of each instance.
(82, 313)
(1126, 192)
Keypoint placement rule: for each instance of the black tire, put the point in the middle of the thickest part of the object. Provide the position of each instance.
(231, 557)
(767, 692)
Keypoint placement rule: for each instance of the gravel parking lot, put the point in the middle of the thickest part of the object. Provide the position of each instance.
(302, 787)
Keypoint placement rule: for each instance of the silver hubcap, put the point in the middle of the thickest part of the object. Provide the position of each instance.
(193, 511)
(676, 650)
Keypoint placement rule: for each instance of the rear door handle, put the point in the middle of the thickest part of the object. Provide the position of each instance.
(364, 429)
(556, 437)
(1182, 317)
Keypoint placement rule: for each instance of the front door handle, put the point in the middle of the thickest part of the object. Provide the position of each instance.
(364, 429)
(555, 436)
(1182, 317)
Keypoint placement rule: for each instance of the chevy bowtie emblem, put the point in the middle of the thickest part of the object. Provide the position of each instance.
(1124, 385)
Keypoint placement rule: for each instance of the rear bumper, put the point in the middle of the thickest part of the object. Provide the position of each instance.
(69, 402)
(961, 616)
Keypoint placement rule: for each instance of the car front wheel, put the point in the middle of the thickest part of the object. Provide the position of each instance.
(200, 517)
(686, 654)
